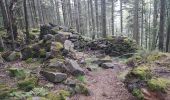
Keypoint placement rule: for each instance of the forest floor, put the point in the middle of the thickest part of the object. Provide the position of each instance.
(106, 84)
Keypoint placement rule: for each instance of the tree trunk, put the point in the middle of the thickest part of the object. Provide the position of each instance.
(26, 21)
(161, 26)
(113, 8)
(103, 15)
(121, 17)
(136, 22)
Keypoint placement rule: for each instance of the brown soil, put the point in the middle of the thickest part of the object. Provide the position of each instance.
(104, 85)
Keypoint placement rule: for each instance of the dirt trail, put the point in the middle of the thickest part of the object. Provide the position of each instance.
(105, 86)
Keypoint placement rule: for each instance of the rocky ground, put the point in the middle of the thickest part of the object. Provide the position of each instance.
(63, 65)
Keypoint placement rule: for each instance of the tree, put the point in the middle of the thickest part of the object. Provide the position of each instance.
(26, 21)
(103, 15)
(161, 26)
(136, 21)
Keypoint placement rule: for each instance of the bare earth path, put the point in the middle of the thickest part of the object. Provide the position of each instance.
(105, 86)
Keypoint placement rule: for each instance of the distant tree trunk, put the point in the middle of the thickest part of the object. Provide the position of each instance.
(80, 17)
(113, 19)
(103, 15)
(142, 22)
(92, 17)
(168, 36)
(161, 26)
(76, 15)
(97, 17)
(58, 12)
(136, 22)
(121, 17)
(155, 21)
(70, 13)
(4, 15)
(64, 12)
(26, 21)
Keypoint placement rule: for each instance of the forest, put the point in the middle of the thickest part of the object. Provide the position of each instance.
(84, 49)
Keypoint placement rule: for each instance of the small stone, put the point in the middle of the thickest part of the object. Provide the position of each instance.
(74, 68)
(107, 65)
(68, 45)
(55, 77)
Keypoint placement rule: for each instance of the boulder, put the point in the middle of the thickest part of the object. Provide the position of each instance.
(55, 77)
(14, 56)
(62, 36)
(16, 72)
(68, 45)
(57, 64)
(56, 48)
(107, 65)
(27, 52)
(48, 37)
(1, 60)
(74, 68)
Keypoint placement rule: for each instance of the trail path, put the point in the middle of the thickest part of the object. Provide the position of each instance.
(105, 85)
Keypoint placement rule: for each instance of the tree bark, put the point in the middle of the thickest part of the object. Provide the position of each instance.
(103, 13)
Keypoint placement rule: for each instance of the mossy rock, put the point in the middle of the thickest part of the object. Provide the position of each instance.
(138, 94)
(5, 91)
(16, 72)
(158, 84)
(59, 46)
(143, 72)
(42, 53)
(29, 60)
(60, 95)
(155, 56)
(28, 84)
(82, 89)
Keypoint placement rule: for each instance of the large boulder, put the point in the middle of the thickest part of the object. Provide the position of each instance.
(74, 68)
(55, 77)
(27, 52)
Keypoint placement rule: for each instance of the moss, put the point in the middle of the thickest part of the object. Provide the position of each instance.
(138, 93)
(28, 84)
(29, 60)
(5, 91)
(82, 89)
(42, 53)
(60, 95)
(158, 84)
(143, 72)
(59, 46)
(134, 61)
(154, 56)
(15, 72)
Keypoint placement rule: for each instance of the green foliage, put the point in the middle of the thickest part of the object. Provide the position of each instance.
(28, 84)
(5, 91)
(23, 95)
(81, 78)
(42, 53)
(59, 46)
(158, 84)
(60, 95)
(143, 72)
(16, 72)
(29, 60)
(82, 89)
(138, 93)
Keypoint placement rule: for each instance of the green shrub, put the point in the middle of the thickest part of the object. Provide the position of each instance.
(138, 93)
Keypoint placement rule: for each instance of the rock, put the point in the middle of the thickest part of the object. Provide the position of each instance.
(107, 65)
(56, 48)
(27, 52)
(57, 64)
(55, 77)
(62, 36)
(48, 37)
(68, 45)
(14, 56)
(37, 98)
(70, 82)
(82, 89)
(74, 68)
